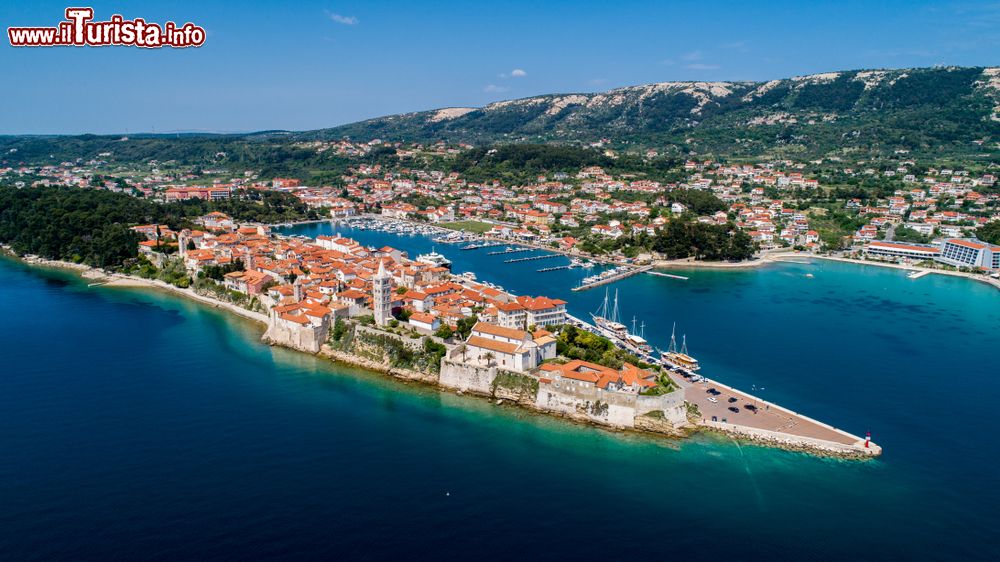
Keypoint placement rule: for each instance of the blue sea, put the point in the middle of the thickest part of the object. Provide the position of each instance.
(134, 424)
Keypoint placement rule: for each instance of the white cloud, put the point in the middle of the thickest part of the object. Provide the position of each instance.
(345, 20)
(692, 56)
(516, 73)
(494, 89)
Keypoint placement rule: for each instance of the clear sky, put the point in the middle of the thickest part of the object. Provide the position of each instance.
(310, 64)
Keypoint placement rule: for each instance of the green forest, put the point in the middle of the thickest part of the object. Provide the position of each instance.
(92, 226)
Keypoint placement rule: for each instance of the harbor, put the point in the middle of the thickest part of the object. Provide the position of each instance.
(721, 407)
(728, 351)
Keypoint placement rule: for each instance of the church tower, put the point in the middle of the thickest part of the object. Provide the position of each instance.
(382, 295)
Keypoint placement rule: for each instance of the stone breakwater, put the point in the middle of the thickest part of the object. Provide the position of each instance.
(793, 442)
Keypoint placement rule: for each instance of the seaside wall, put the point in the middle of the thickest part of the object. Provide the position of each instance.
(672, 405)
(589, 404)
(303, 338)
(467, 377)
(610, 408)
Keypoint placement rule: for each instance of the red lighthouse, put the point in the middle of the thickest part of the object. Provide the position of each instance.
(868, 438)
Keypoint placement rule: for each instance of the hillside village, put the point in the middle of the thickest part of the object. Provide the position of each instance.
(817, 206)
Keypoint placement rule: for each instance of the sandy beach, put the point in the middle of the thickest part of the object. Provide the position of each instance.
(116, 280)
(125, 281)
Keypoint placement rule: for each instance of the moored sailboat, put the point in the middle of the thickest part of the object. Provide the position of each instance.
(607, 321)
(679, 358)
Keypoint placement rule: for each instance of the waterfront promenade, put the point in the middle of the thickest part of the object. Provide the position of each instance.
(765, 420)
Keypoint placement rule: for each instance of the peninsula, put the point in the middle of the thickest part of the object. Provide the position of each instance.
(381, 310)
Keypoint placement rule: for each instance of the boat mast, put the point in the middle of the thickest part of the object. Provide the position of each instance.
(633, 324)
(642, 327)
(602, 312)
(684, 344)
(673, 340)
(614, 312)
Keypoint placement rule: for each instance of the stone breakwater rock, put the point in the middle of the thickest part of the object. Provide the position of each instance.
(658, 425)
(792, 444)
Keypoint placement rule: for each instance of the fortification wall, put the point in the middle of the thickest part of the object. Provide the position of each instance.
(467, 377)
(305, 338)
(672, 405)
(608, 408)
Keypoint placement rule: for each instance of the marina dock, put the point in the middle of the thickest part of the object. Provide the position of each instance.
(533, 258)
(556, 268)
(480, 246)
(620, 273)
(670, 275)
(510, 251)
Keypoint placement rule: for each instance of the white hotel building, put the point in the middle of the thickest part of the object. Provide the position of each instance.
(962, 252)
(896, 250)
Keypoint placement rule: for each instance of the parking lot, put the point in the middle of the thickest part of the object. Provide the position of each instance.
(752, 412)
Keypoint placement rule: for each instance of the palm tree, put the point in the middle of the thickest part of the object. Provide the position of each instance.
(489, 359)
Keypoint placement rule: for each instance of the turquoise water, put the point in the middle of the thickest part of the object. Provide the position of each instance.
(133, 423)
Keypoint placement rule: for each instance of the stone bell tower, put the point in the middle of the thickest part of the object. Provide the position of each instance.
(382, 295)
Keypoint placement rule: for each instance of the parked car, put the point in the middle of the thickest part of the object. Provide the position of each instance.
(734, 409)
(713, 400)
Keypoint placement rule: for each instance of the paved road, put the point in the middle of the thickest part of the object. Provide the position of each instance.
(890, 232)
